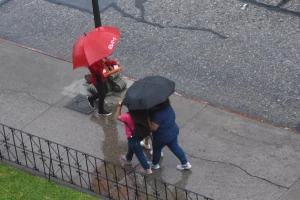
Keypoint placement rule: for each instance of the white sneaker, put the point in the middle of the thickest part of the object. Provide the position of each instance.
(185, 166)
(145, 146)
(154, 166)
(162, 154)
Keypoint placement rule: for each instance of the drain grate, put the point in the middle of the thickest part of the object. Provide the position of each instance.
(80, 104)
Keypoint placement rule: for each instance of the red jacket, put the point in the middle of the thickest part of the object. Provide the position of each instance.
(97, 68)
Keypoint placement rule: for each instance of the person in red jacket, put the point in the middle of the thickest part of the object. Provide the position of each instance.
(99, 81)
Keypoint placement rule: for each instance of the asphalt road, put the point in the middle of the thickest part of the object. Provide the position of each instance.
(241, 57)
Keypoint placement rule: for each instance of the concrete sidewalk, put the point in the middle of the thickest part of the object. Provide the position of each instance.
(233, 157)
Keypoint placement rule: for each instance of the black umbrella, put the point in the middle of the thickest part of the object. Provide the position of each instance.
(148, 92)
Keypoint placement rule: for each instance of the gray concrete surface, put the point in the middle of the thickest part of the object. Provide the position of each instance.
(270, 154)
(293, 193)
(233, 157)
(242, 59)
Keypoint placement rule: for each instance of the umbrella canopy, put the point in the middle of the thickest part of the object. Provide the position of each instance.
(148, 92)
(95, 45)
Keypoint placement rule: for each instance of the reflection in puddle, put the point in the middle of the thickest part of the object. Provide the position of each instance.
(114, 142)
(105, 180)
(182, 183)
(111, 180)
(118, 182)
(125, 184)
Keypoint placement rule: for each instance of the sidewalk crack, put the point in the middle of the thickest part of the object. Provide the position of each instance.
(234, 165)
(41, 113)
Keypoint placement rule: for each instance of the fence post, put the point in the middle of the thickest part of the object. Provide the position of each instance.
(13, 136)
(50, 169)
(0, 155)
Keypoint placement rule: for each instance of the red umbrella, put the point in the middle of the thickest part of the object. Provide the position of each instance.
(95, 45)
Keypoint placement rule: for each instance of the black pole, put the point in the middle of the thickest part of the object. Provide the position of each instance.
(96, 13)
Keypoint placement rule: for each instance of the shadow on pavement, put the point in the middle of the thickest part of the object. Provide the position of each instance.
(275, 8)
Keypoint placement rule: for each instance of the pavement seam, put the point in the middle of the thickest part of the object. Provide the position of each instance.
(42, 113)
(16, 91)
(288, 189)
(234, 165)
(143, 20)
(193, 116)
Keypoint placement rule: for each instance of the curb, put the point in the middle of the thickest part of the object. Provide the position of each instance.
(175, 93)
(35, 50)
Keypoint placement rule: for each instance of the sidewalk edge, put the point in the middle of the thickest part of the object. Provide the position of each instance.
(175, 93)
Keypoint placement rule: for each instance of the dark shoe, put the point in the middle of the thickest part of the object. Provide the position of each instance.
(91, 104)
(104, 113)
(124, 160)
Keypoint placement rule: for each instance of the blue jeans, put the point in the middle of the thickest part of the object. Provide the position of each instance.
(134, 147)
(173, 146)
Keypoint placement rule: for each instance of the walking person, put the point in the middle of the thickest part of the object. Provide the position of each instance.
(165, 132)
(132, 130)
(99, 81)
(145, 143)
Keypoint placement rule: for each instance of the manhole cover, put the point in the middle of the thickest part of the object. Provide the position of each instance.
(80, 104)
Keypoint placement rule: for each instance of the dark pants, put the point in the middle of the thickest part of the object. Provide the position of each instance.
(102, 91)
(173, 146)
(134, 147)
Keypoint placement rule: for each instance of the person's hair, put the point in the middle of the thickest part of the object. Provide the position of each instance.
(140, 119)
(162, 105)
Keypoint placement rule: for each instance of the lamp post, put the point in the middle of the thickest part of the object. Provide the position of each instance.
(96, 12)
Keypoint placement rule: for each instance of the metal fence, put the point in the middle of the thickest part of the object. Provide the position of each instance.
(83, 170)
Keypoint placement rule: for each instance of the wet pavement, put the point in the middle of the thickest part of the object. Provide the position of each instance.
(233, 157)
(237, 54)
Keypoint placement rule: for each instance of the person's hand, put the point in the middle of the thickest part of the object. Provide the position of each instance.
(118, 63)
(120, 103)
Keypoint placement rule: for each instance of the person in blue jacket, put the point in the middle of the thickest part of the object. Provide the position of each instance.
(165, 132)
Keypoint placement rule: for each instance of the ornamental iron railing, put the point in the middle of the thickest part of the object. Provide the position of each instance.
(83, 170)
